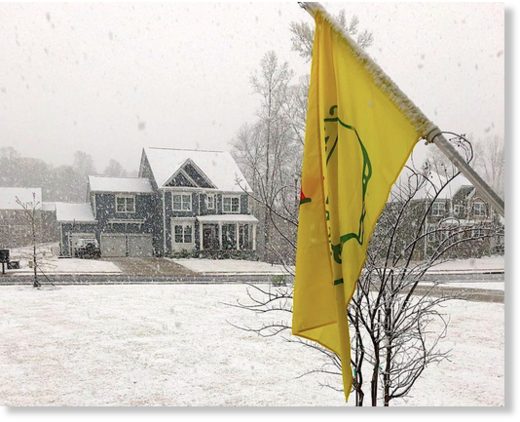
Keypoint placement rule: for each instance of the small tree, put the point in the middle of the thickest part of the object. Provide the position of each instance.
(33, 217)
(396, 322)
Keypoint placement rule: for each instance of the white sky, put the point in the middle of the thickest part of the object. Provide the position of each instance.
(111, 78)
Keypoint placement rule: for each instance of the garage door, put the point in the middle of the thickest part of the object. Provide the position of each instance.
(126, 245)
(75, 237)
(139, 245)
(113, 245)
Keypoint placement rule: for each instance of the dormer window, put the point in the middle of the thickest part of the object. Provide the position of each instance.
(125, 203)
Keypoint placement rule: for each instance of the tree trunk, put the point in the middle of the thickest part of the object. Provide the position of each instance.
(36, 283)
(267, 175)
(388, 357)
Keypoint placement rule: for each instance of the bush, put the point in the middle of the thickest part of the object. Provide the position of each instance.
(279, 280)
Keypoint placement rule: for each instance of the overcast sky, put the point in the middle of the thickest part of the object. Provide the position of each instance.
(111, 78)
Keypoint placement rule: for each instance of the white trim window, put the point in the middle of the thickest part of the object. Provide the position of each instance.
(458, 210)
(125, 204)
(210, 201)
(181, 202)
(432, 234)
(477, 233)
(231, 204)
(183, 233)
(479, 209)
(438, 209)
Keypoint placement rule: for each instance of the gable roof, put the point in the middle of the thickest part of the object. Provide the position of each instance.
(79, 213)
(428, 189)
(218, 166)
(119, 184)
(25, 195)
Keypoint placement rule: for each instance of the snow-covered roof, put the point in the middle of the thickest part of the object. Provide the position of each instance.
(429, 188)
(119, 184)
(49, 206)
(227, 218)
(27, 196)
(79, 213)
(219, 167)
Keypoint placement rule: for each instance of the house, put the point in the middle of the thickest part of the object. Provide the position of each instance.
(182, 202)
(15, 223)
(457, 213)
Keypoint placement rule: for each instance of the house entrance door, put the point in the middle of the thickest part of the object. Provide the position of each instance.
(209, 236)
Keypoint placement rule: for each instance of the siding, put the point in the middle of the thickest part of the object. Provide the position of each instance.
(145, 209)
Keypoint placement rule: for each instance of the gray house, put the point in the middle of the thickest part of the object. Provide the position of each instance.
(183, 201)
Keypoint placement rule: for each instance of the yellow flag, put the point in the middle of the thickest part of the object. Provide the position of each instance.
(357, 141)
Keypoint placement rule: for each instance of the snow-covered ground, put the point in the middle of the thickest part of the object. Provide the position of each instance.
(495, 285)
(49, 262)
(483, 264)
(173, 345)
(232, 266)
(235, 266)
(53, 265)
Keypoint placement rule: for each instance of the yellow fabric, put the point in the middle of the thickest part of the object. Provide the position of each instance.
(356, 143)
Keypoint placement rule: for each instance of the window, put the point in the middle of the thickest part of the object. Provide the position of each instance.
(183, 233)
(431, 232)
(182, 202)
(478, 233)
(458, 210)
(178, 234)
(187, 234)
(438, 209)
(210, 201)
(231, 204)
(479, 209)
(444, 233)
(229, 236)
(125, 203)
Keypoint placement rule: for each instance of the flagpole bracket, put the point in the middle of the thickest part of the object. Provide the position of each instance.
(432, 134)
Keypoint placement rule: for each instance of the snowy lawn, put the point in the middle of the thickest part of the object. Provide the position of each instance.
(236, 266)
(55, 265)
(485, 263)
(171, 345)
(47, 255)
(231, 266)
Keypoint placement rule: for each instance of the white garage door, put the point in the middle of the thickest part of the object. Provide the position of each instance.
(113, 245)
(126, 245)
(140, 245)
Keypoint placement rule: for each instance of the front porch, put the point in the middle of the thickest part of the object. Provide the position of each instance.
(212, 234)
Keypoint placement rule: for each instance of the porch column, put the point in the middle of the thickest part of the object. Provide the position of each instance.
(220, 235)
(237, 237)
(201, 239)
(254, 237)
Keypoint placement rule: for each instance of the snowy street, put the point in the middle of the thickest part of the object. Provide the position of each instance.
(172, 345)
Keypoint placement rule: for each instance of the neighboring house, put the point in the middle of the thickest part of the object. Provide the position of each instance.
(457, 213)
(183, 201)
(15, 225)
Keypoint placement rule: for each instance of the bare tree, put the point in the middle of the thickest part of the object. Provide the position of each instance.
(266, 150)
(32, 215)
(489, 161)
(114, 169)
(302, 34)
(396, 320)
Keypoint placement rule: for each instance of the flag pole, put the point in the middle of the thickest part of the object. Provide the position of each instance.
(430, 132)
